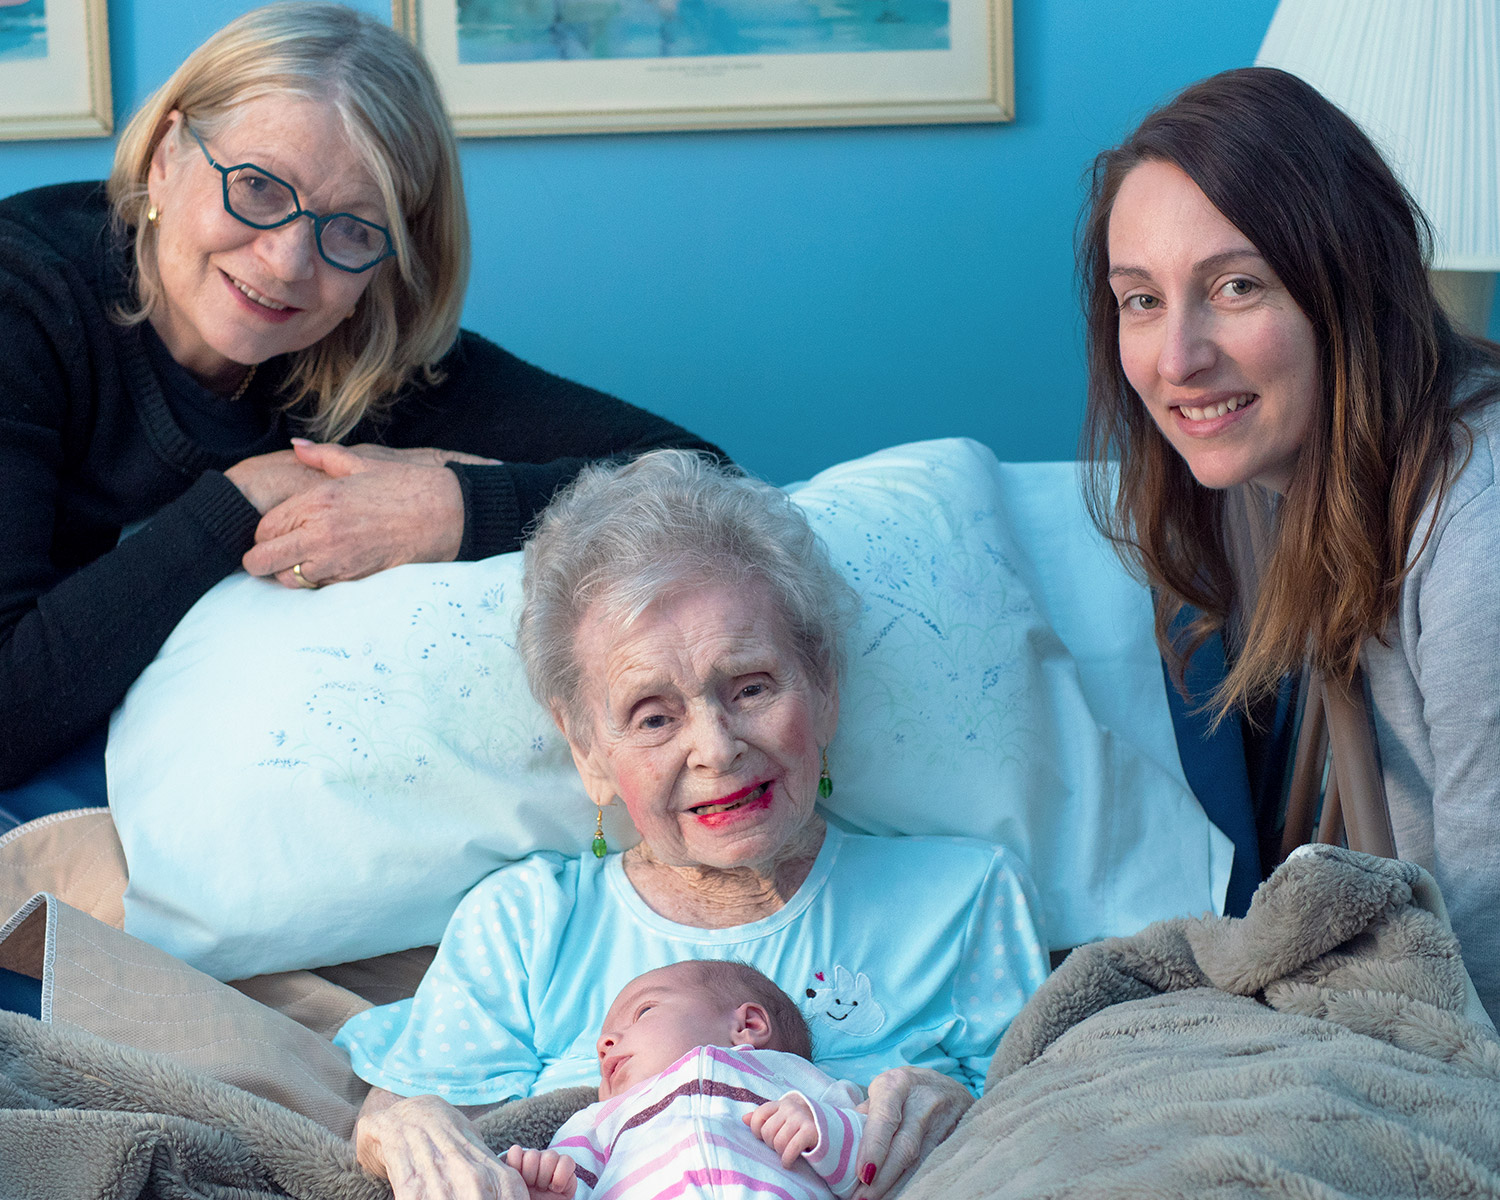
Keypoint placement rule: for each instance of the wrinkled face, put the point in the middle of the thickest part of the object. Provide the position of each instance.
(654, 1021)
(1223, 358)
(235, 295)
(705, 724)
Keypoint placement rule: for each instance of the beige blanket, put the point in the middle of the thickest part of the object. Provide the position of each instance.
(84, 1119)
(1327, 1045)
(149, 1078)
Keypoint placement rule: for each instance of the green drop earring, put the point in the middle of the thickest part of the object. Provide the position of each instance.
(601, 847)
(825, 780)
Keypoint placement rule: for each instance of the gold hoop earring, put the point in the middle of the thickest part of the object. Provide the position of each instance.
(153, 215)
(825, 780)
(601, 847)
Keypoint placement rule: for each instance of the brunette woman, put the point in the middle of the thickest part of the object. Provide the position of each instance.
(1306, 447)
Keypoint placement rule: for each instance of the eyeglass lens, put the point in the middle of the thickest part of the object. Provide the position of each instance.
(260, 199)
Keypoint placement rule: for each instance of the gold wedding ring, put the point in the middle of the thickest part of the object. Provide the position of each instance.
(303, 579)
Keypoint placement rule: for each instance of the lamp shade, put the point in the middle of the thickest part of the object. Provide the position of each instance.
(1422, 78)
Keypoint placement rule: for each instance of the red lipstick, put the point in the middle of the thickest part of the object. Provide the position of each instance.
(744, 802)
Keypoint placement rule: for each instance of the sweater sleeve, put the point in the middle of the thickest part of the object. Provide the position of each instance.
(72, 641)
(543, 428)
(1458, 672)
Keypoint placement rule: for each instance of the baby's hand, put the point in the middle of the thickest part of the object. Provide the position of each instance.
(785, 1125)
(546, 1173)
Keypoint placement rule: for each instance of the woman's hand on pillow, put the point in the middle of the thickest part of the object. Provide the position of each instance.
(422, 456)
(367, 514)
(909, 1111)
(428, 1150)
(271, 479)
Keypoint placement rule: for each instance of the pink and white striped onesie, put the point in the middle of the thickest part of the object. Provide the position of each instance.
(681, 1133)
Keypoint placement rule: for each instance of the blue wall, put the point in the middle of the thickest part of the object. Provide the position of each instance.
(799, 296)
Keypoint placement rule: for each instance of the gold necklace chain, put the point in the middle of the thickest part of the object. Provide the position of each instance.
(244, 384)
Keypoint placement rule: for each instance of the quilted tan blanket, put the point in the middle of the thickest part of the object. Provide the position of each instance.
(1322, 1046)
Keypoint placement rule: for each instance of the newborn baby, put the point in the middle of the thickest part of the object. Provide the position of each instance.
(706, 1090)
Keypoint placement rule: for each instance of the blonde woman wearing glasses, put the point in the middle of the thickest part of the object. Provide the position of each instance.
(248, 339)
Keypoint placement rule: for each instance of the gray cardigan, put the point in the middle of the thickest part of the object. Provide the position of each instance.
(1435, 696)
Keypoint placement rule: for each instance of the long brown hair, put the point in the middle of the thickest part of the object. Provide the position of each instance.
(1304, 184)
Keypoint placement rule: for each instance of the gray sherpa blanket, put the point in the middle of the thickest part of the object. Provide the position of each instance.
(1322, 1046)
(84, 1119)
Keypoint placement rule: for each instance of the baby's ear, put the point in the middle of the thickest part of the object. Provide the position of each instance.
(752, 1026)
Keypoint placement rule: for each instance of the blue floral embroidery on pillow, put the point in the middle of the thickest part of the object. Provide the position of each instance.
(414, 710)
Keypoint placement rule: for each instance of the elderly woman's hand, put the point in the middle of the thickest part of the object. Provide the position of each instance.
(373, 509)
(910, 1110)
(428, 1150)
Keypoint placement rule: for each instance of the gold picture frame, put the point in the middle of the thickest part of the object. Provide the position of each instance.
(947, 61)
(54, 69)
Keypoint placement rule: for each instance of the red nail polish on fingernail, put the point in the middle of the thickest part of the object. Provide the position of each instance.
(868, 1173)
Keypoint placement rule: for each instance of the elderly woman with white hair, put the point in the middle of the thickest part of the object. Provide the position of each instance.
(684, 627)
(277, 264)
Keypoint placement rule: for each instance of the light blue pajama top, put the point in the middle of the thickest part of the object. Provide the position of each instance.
(916, 950)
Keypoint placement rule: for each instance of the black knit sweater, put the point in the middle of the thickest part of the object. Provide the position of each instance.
(89, 445)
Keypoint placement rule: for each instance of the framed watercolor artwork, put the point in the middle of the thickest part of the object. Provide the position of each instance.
(609, 66)
(54, 69)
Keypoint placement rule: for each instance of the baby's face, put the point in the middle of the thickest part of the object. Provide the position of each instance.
(654, 1021)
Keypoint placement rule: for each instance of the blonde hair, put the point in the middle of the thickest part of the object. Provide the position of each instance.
(391, 110)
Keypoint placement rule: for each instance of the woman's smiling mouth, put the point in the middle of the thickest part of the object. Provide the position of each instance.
(1209, 412)
(756, 796)
(258, 298)
(258, 302)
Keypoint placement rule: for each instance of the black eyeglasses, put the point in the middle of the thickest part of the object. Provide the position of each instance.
(261, 200)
